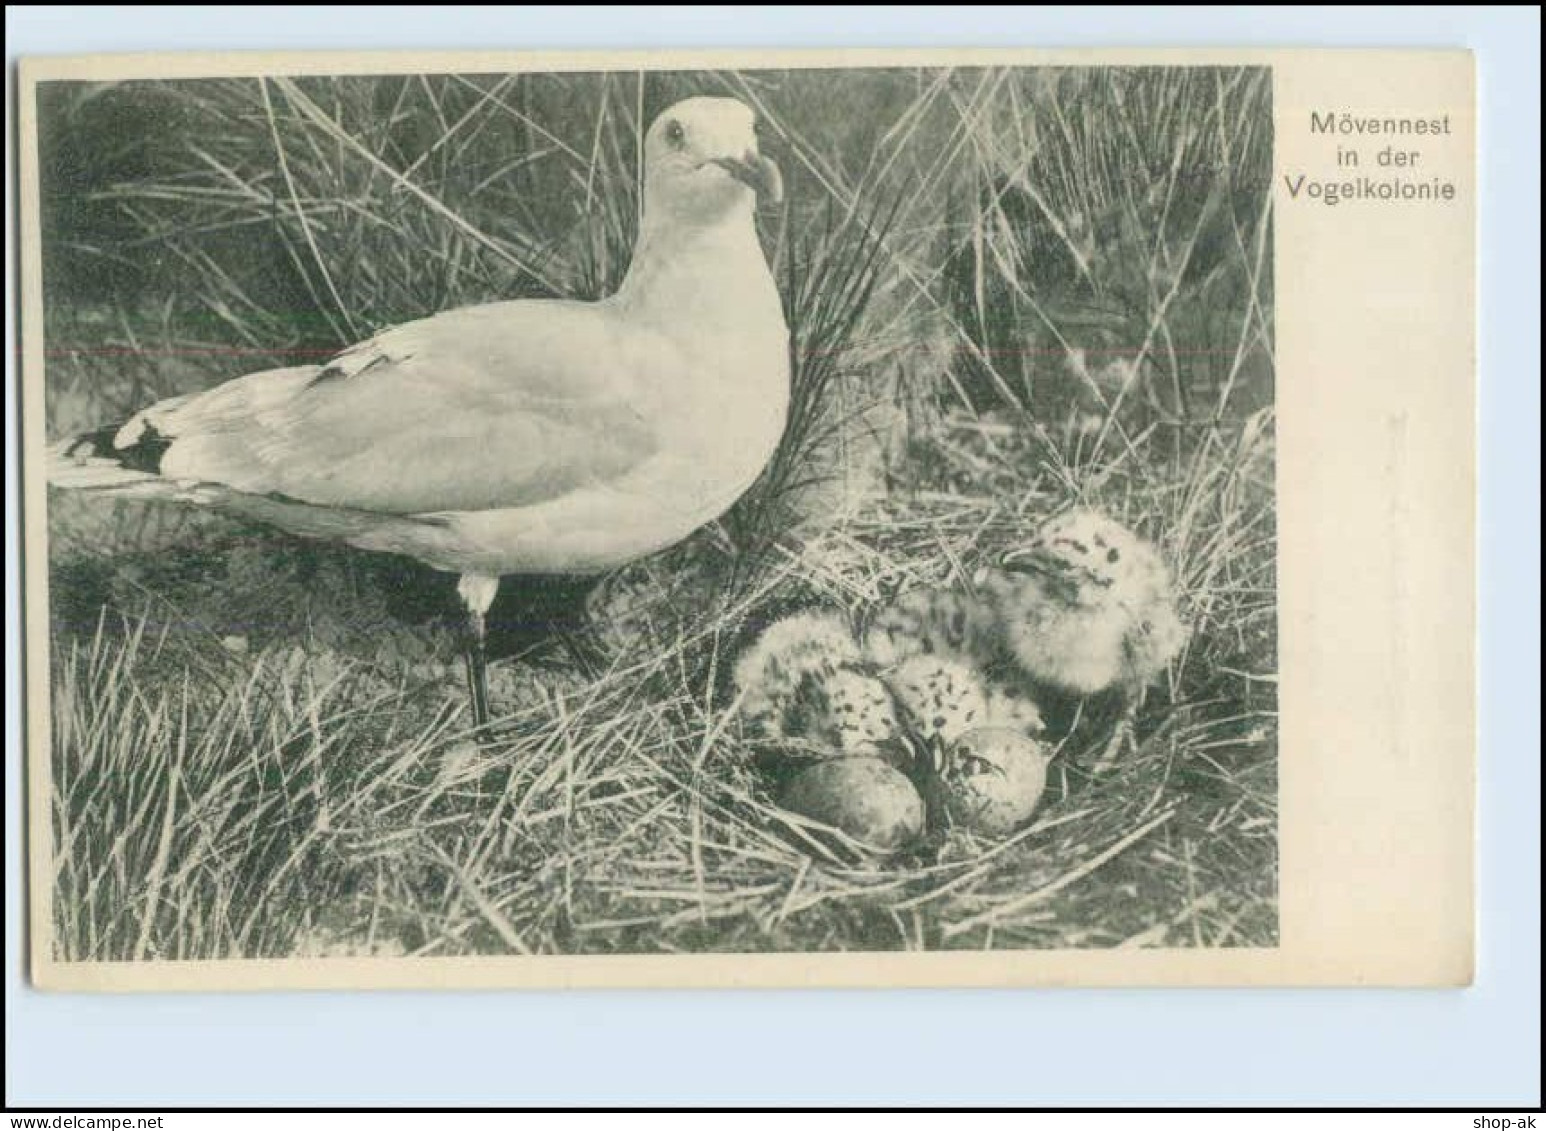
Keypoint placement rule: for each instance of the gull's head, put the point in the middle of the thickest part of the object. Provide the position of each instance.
(701, 159)
(1082, 554)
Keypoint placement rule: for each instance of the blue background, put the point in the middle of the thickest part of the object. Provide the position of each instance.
(1479, 1047)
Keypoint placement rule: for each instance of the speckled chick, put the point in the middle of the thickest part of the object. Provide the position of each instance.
(948, 636)
(802, 680)
(938, 621)
(842, 712)
(775, 669)
(1087, 606)
(940, 698)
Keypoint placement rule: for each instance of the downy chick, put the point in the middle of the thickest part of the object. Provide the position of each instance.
(1089, 607)
(802, 679)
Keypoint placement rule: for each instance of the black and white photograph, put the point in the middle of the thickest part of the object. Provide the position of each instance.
(753, 557)
(658, 512)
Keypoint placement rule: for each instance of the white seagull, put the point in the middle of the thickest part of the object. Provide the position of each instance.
(531, 436)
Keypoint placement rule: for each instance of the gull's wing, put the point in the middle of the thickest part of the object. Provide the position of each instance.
(505, 405)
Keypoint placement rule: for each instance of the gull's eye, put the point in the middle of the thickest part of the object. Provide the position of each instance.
(675, 134)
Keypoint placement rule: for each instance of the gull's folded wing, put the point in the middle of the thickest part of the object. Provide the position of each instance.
(506, 405)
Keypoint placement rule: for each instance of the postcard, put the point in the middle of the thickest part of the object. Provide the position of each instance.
(810, 518)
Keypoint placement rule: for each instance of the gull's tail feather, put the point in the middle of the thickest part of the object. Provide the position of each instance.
(90, 462)
(127, 459)
(93, 462)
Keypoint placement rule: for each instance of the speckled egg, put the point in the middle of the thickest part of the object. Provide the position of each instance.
(993, 778)
(865, 798)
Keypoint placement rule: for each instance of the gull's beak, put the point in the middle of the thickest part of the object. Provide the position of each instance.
(1026, 560)
(756, 172)
(1033, 561)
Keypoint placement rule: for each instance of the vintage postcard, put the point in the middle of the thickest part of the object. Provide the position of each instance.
(749, 518)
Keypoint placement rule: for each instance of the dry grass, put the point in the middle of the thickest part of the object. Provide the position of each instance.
(1007, 291)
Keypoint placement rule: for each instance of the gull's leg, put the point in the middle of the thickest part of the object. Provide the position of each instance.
(1124, 739)
(477, 592)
